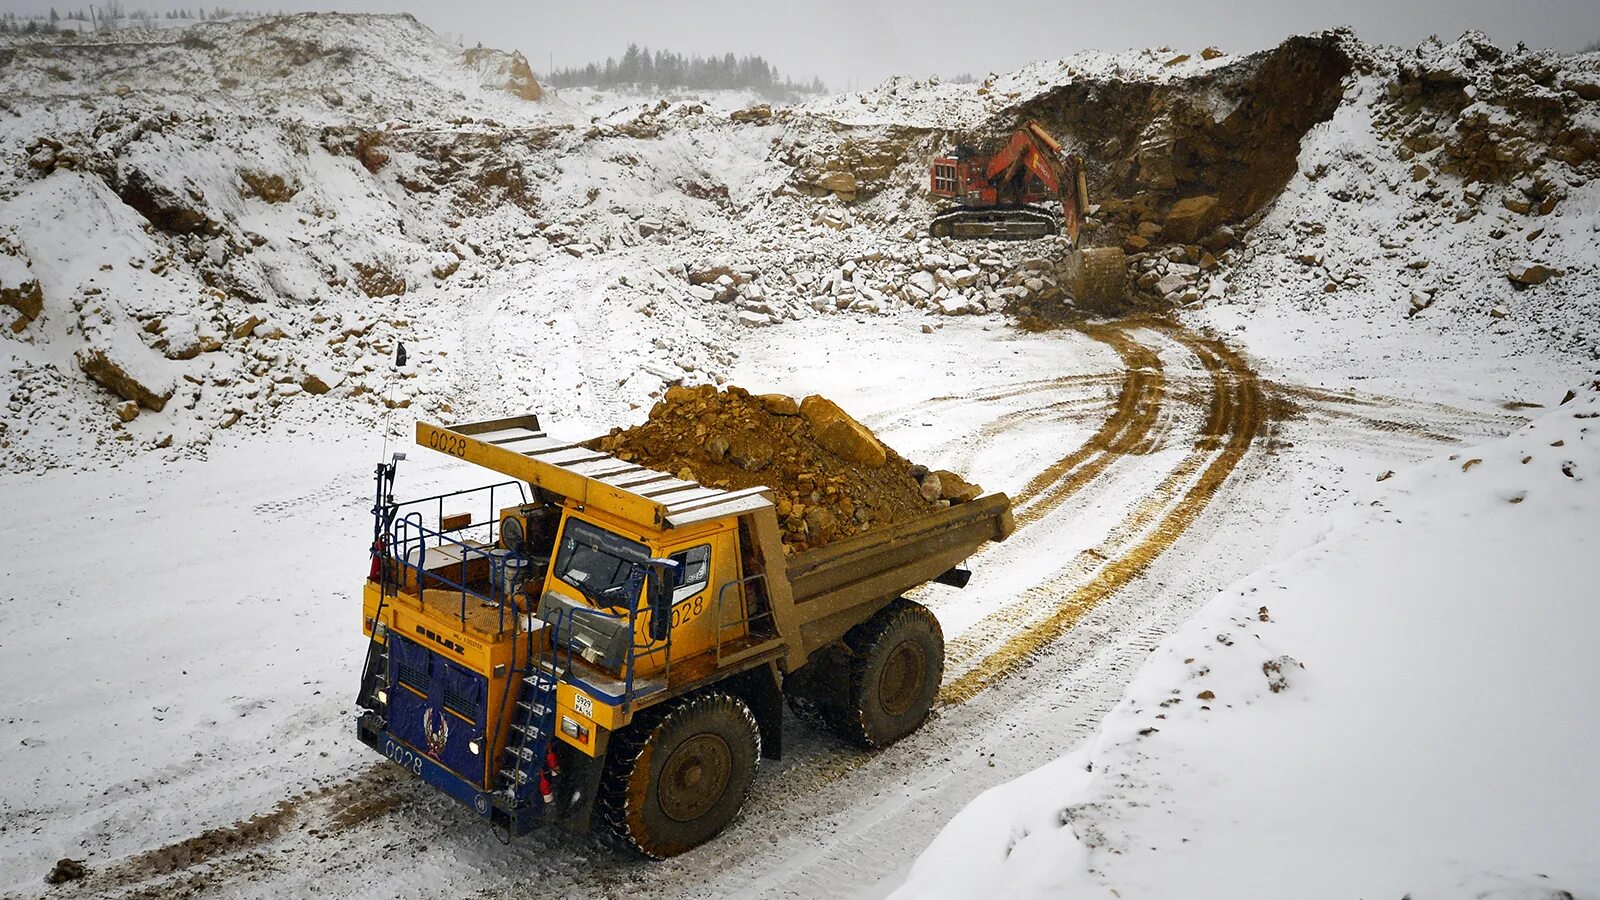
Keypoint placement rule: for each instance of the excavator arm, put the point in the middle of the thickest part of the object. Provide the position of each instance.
(1033, 150)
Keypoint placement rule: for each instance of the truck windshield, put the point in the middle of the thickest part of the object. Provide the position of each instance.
(596, 562)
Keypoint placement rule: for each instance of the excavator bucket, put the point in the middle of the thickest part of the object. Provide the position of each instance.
(1100, 279)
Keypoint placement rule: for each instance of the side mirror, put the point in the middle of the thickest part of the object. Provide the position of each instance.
(661, 581)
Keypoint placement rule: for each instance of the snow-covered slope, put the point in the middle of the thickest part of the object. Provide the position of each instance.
(1402, 709)
(319, 67)
(251, 214)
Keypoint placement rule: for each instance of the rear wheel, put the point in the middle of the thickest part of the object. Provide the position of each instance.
(894, 674)
(677, 776)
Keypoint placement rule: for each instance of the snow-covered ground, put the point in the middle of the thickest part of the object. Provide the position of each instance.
(1404, 708)
(178, 605)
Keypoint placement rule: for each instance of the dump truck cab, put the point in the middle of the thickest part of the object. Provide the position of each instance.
(594, 642)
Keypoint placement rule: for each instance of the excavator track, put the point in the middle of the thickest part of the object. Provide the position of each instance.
(997, 223)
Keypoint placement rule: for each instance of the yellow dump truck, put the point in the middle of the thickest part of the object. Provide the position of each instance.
(605, 646)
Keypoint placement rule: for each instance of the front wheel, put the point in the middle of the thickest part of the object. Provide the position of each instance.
(679, 774)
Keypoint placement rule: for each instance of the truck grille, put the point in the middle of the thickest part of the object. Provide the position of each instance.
(415, 678)
(462, 704)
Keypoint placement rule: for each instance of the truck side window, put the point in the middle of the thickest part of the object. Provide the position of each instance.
(695, 566)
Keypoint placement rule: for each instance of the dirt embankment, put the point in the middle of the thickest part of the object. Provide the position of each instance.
(1230, 135)
(830, 477)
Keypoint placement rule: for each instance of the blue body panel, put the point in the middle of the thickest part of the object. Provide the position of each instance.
(432, 742)
(419, 715)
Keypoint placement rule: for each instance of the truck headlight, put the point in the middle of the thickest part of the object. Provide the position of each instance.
(383, 697)
(473, 746)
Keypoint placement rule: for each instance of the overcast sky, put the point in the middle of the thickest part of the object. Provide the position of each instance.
(861, 42)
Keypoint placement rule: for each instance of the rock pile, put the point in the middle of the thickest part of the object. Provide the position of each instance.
(829, 476)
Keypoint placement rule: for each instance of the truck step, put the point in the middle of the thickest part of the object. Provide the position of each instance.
(530, 729)
(533, 708)
(541, 681)
(526, 753)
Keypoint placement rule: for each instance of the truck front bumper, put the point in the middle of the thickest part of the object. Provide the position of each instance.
(370, 730)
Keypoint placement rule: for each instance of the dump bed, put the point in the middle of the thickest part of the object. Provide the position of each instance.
(834, 587)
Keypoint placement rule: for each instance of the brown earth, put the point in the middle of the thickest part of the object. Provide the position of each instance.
(803, 451)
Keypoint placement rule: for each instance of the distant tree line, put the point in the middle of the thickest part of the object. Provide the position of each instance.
(664, 69)
(10, 24)
(102, 15)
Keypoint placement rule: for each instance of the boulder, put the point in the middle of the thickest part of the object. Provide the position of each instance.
(780, 404)
(130, 378)
(1529, 274)
(244, 328)
(321, 378)
(1190, 218)
(839, 183)
(127, 411)
(22, 294)
(759, 113)
(1170, 284)
(840, 434)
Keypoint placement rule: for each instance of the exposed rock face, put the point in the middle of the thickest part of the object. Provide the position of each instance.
(1497, 116)
(1149, 145)
(856, 167)
(508, 72)
(269, 187)
(161, 206)
(376, 280)
(20, 291)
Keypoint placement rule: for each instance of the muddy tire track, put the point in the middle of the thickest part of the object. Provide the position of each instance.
(333, 808)
(1238, 411)
(1126, 431)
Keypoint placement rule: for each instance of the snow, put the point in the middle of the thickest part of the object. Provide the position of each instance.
(1432, 723)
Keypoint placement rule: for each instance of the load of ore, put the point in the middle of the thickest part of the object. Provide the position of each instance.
(829, 476)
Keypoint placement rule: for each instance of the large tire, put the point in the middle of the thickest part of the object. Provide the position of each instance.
(894, 674)
(1100, 280)
(679, 774)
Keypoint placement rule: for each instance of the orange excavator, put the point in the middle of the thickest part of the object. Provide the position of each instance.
(997, 196)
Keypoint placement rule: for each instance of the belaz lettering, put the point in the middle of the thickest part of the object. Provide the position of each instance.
(442, 641)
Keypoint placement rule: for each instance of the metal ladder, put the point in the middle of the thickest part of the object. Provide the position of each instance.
(528, 759)
(375, 672)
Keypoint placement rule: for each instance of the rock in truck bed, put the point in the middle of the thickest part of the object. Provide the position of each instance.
(831, 478)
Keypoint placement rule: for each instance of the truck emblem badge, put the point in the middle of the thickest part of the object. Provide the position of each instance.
(436, 737)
